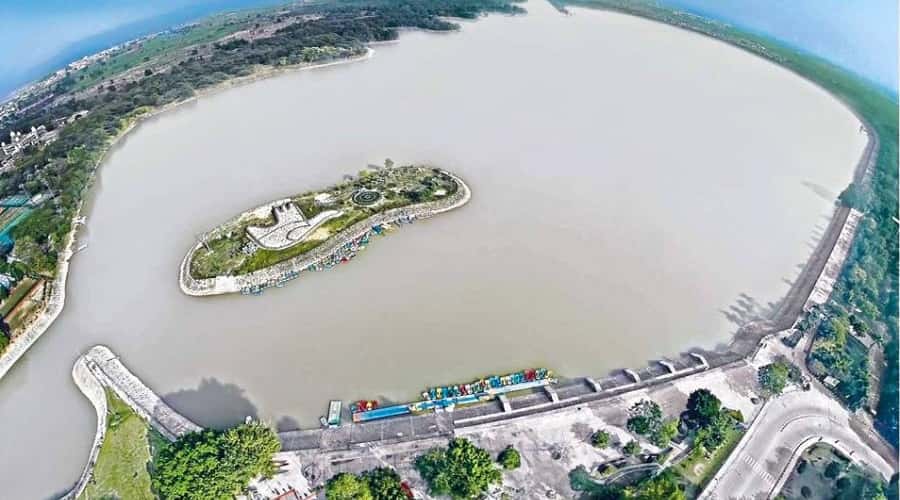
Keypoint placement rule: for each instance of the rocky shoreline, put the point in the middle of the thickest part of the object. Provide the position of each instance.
(289, 269)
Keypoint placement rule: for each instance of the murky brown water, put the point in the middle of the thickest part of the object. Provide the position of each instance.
(629, 181)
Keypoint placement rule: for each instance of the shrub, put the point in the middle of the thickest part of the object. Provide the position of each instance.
(509, 458)
(600, 439)
(631, 448)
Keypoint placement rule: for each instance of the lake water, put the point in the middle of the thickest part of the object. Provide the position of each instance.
(630, 182)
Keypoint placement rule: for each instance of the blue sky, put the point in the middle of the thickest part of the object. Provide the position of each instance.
(39, 36)
(860, 35)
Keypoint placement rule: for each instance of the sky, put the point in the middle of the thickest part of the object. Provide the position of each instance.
(40, 36)
(860, 35)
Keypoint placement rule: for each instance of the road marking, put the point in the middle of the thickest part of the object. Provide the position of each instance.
(759, 469)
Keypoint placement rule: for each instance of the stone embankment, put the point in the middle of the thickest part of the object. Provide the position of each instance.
(109, 371)
(55, 302)
(291, 267)
(99, 370)
(91, 387)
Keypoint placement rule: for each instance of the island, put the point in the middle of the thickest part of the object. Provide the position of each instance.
(276, 242)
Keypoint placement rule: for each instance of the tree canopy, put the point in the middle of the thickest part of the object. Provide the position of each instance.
(346, 486)
(774, 377)
(703, 407)
(213, 464)
(462, 470)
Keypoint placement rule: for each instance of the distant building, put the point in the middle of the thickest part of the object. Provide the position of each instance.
(19, 141)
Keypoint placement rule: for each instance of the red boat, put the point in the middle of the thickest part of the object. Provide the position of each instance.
(363, 405)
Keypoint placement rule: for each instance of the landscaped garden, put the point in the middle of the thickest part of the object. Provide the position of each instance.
(231, 251)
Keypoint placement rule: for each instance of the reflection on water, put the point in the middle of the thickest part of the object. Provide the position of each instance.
(630, 182)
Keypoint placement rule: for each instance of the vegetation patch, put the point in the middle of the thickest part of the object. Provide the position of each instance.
(824, 474)
(215, 464)
(123, 464)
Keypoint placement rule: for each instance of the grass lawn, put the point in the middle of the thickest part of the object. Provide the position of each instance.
(121, 470)
(696, 472)
(18, 292)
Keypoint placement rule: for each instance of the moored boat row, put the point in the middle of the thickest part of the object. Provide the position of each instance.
(447, 397)
(341, 255)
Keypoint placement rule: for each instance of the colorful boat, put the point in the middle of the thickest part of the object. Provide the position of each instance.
(363, 405)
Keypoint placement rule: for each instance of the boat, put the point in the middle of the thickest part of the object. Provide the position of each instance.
(333, 419)
(363, 405)
(492, 384)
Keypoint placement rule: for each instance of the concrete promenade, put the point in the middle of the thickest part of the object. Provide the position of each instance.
(92, 389)
(232, 284)
(113, 375)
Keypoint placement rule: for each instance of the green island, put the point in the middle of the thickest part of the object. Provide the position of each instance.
(317, 229)
(374, 192)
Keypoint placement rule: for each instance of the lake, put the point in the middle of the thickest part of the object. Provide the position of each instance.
(632, 184)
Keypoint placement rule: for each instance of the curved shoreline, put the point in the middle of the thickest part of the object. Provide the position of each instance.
(292, 267)
(92, 389)
(65, 262)
(45, 318)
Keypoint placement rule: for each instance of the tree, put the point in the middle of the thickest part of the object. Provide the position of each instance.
(665, 434)
(461, 470)
(713, 435)
(346, 486)
(661, 487)
(774, 377)
(703, 407)
(646, 418)
(384, 484)
(213, 464)
(509, 458)
(631, 448)
(805, 492)
(600, 439)
(833, 469)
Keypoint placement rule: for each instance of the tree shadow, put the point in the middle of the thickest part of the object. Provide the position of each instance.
(746, 309)
(213, 404)
(286, 423)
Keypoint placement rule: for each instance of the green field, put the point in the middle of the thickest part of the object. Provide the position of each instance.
(397, 187)
(698, 471)
(162, 46)
(122, 468)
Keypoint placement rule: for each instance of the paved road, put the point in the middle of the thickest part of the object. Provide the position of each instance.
(784, 428)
